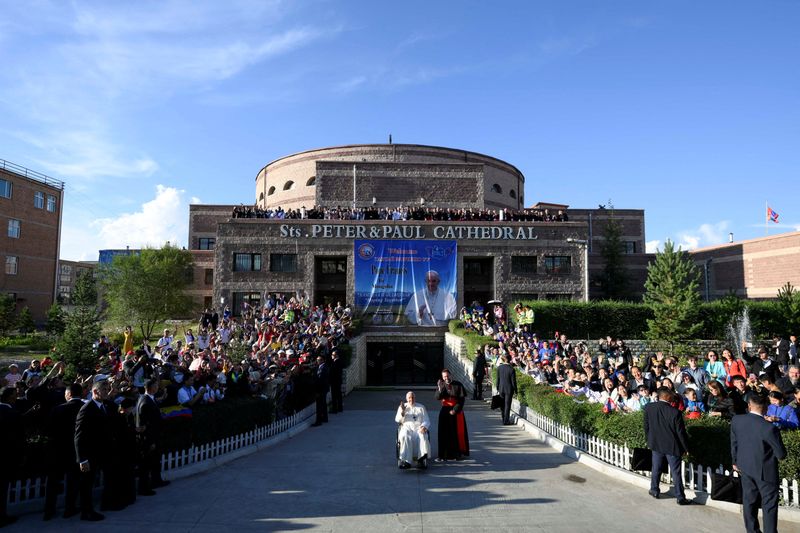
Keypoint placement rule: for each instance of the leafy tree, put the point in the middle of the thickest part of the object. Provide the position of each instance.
(149, 288)
(7, 319)
(672, 290)
(613, 279)
(25, 323)
(789, 302)
(82, 327)
(55, 320)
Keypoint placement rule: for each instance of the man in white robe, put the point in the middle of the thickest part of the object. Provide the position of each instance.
(431, 306)
(413, 434)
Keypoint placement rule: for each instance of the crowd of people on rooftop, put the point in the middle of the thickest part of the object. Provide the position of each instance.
(403, 212)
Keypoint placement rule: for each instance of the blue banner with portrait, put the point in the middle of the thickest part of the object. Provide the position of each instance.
(411, 282)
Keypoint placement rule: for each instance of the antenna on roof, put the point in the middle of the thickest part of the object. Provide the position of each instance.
(390, 138)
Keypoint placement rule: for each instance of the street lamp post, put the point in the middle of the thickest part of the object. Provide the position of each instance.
(585, 245)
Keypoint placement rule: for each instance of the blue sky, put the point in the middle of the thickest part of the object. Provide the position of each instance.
(689, 110)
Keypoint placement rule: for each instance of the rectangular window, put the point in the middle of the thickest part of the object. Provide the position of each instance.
(66, 279)
(334, 266)
(51, 203)
(558, 264)
(246, 262)
(67, 270)
(209, 276)
(11, 265)
(38, 200)
(523, 264)
(207, 243)
(5, 188)
(283, 262)
(13, 228)
(628, 247)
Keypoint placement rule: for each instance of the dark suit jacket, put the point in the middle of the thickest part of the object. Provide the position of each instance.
(149, 417)
(336, 371)
(783, 351)
(506, 380)
(93, 432)
(665, 430)
(61, 430)
(756, 447)
(12, 443)
(322, 379)
(479, 367)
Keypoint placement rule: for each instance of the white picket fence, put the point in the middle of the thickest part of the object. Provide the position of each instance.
(30, 493)
(695, 477)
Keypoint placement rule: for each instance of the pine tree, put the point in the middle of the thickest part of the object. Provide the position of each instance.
(789, 302)
(671, 289)
(613, 279)
(82, 329)
(7, 319)
(55, 320)
(25, 323)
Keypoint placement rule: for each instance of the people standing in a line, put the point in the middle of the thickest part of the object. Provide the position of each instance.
(667, 439)
(336, 375)
(93, 443)
(322, 385)
(506, 386)
(149, 427)
(12, 446)
(453, 437)
(478, 374)
(61, 456)
(756, 448)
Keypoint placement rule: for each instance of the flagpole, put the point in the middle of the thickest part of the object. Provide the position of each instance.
(766, 218)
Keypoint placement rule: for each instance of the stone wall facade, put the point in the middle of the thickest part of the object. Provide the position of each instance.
(305, 240)
(292, 181)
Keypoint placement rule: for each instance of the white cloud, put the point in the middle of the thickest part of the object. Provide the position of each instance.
(164, 218)
(705, 235)
(651, 247)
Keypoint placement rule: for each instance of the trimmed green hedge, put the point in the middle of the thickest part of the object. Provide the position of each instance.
(709, 438)
(472, 339)
(627, 320)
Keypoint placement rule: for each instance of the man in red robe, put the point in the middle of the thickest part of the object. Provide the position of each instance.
(453, 438)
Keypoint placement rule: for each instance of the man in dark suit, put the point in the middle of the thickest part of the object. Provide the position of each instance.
(61, 432)
(93, 443)
(756, 448)
(149, 427)
(478, 374)
(781, 352)
(336, 374)
(506, 386)
(12, 446)
(322, 384)
(666, 438)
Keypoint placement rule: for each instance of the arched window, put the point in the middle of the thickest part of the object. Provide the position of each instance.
(496, 188)
(512, 193)
(311, 181)
(271, 191)
(261, 197)
(288, 185)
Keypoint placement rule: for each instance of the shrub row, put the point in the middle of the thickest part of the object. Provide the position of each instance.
(709, 438)
(472, 339)
(628, 320)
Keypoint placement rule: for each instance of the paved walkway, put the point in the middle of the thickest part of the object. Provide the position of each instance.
(342, 477)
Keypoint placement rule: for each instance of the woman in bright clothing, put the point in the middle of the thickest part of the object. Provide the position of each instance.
(733, 367)
(714, 367)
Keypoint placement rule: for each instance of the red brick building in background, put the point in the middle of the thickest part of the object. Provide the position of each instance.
(753, 269)
(30, 237)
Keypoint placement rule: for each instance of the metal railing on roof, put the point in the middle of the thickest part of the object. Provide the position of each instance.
(31, 174)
